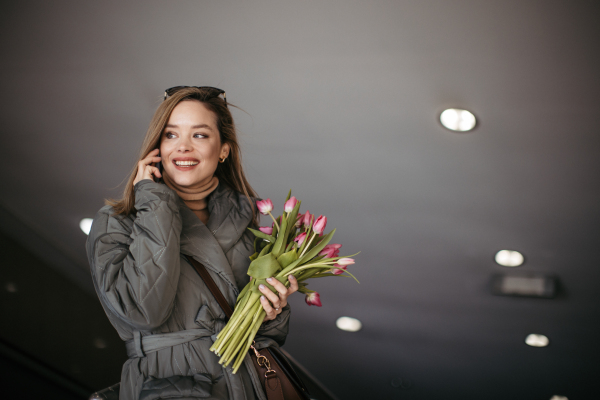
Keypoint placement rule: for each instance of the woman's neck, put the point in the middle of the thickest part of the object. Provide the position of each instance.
(194, 196)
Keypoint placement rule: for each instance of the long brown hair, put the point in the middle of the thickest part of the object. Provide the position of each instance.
(230, 172)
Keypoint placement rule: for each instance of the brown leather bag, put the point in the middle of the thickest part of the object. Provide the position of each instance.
(277, 376)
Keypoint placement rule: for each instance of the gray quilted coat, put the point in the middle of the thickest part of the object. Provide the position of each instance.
(158, 303)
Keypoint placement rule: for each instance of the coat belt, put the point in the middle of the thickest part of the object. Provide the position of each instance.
(140, 345)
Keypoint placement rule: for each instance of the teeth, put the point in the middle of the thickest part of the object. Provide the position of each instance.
(185, 163)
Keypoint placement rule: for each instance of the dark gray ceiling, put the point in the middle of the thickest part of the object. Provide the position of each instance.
(342, 100)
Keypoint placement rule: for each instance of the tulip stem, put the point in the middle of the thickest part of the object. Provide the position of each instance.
(308, 244)
(274, 220)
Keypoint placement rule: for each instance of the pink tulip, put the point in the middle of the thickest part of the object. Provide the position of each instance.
(300, 238)
(265, 206)
(319, 225)
(306, 219)
(329, 252)
(290, 204)
(340, 270)
(266, 229)
(345, 261)
(313, 299)
(299, 221)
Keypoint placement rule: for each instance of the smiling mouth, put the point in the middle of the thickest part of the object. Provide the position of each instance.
(185, 163)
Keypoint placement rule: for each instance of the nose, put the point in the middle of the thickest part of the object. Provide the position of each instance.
(184, 145)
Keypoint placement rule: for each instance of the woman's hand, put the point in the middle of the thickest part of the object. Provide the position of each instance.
(273, 303)
(146, 170)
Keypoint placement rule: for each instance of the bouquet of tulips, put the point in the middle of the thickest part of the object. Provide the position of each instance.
(296, 245)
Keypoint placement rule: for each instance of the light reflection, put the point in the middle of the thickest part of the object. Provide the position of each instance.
(457, 120)
(85, 225)
(348, 324)
(509, 258)
(536, 340)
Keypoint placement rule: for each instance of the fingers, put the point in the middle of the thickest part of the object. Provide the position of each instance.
(145, 169)
(293, 284)
(272, 297)
(273, 302)
(271, 313)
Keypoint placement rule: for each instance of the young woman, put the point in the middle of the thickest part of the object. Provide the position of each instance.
(198, 204)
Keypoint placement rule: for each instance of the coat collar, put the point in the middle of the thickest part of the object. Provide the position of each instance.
(230, 215)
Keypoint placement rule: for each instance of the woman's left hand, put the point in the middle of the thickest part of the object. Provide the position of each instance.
(272, 302)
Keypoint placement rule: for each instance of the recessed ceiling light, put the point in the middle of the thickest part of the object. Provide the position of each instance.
(536, 340)
(557, 397)
(348, 324)
(458, 120)
(11, 287)
(85, 225)
(509, 258)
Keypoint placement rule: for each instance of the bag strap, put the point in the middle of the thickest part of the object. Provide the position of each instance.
(212, 286)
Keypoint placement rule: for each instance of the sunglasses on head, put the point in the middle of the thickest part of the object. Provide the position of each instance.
(217, 91)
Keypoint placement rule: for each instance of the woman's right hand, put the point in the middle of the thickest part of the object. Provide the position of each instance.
(146, 169)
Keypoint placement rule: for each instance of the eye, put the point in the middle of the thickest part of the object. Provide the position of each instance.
(169, 135)
(200, 135)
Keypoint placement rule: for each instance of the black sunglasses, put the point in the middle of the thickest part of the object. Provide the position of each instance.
(218, 92)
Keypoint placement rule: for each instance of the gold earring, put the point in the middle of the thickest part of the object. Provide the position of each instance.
(222, 159)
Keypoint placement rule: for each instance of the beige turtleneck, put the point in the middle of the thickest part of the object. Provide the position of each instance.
(194, 196)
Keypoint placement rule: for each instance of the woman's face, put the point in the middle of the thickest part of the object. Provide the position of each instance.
(190, 145)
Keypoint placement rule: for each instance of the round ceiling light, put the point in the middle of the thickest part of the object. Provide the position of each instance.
(509, 258)
(536, 340)
(458, 120)
(85, 225)
(348, 324)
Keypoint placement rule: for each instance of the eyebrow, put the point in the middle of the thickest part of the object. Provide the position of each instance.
(193, 127)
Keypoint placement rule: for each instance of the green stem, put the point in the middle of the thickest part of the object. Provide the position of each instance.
(274, 220)
(235, 347)
(308, 244)
(256, 323)
(233, 323)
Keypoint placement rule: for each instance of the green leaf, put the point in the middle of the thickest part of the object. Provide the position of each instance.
(305, 290)
(315, 250)
(325, 275)
(288, 196)
(254, 256)
(293, 217)
(264, 267)
(281, 239)
(262, 235)
(287, 258)
(265, 250)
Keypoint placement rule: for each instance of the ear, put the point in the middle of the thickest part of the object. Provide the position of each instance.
(225, 150)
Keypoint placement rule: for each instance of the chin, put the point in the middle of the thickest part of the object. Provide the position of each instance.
(186, 178)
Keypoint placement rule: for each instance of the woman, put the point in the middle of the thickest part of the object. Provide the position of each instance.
(198, 205)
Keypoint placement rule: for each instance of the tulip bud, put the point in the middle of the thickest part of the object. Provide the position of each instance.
(345, 261)
(299, 221)
(290, 204)
(300, 238)
(328, 252)
(264, 206)
(313, 299)
(306, 219)
(319, 225)
(340, 270)
(266, 229)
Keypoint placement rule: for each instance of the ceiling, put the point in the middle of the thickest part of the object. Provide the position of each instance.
(340, 103)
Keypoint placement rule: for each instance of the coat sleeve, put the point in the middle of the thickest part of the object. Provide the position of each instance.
(135, 266)
(275, 330)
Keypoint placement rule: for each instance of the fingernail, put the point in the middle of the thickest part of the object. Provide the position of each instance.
(269, 279)
(292, 277)
(261, 286)
(262, 297)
